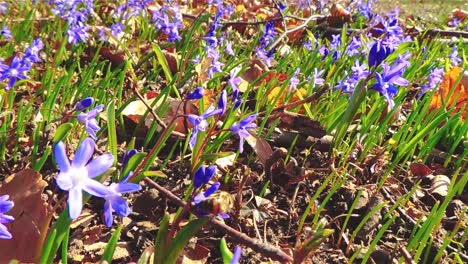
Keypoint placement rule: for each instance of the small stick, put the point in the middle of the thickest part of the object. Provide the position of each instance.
(263, 248)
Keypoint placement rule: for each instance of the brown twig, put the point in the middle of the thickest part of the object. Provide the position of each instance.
(262, 248)
(156, 117)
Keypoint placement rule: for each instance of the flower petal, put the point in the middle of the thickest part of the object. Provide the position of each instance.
(83, 153)
(64, 181)
(6, 206)
(126, 187)
(75, 202)
(120, 206)
(96, 188)
(100, 165)
(60, 156)
(4, 234)
(108, 214)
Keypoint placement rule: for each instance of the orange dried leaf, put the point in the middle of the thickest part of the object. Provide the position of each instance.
(298, 94)
(459, 95)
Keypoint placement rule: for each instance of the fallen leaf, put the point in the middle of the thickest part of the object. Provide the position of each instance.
(261, 148)
(440, 185)
(419, 169)
(460, 94)
(32, 216)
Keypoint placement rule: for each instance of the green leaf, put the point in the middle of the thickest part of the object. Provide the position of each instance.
(182, 238)
(48, 246)
(133, 162)
(226, 254)
(62, 132)
(160, 244)
(162, 60)
(111, 131)
(111, 245)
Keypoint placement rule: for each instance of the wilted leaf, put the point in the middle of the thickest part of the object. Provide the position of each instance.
(197, 255)
(440, 185)
(31, 213)
(301, 123)
(459, 95)
(137, 109)
(261, 148)
(419, 169)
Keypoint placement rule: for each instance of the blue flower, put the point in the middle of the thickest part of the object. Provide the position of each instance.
(6, 32)
(204, 195)
(222, 102)
(199, 122)
(114, 200)
(14, 72)
(198, 93)
(241, 129)
(454, 59)
(127, 157)
(434, 78)
(78, 176)
(387, 81)
(236, 256)
(234, 82)
(77, 33)
(5, 206)
(203, 175)
(89, 120)
(84, 103)
(294, 81)
(116, 29)
(31, 53)
(378, 53)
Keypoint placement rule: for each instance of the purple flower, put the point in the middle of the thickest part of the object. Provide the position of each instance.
(241, 129)
(199, 122)
(454, 60)
(203, 175)
(6, 32)
(168, 19)
(317, 77)
(378, 53)
(387, 81)
(294, 80)
(116, 29)
(84, 103)
(222, 102)
(455, 22)
(359, 70)
(14, 72)
(114, 200)
(216, 65)
(32, 52)
(89, 120)
(3, 8)
(204, 195)
(78, 176)
(127, 157)
(77, 33)
(236, 256)
(354, 46)
(198, 93)
(5, 206)
(308, 45)
(228, 47)
(234, 82)
(434, 78)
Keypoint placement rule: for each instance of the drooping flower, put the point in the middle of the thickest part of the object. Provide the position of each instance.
(222, 102)
(241, 128)
(84, 103)
(198, 93)
(234, 82)
(127, 157)
(79, 175)
(89, 120)
(114, 200)
(5, 206)
(203, 175)
(202, 196)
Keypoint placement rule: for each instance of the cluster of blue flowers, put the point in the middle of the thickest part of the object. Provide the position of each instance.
(168, 19)
(268, 37)
(20, 66)
(76, 13)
